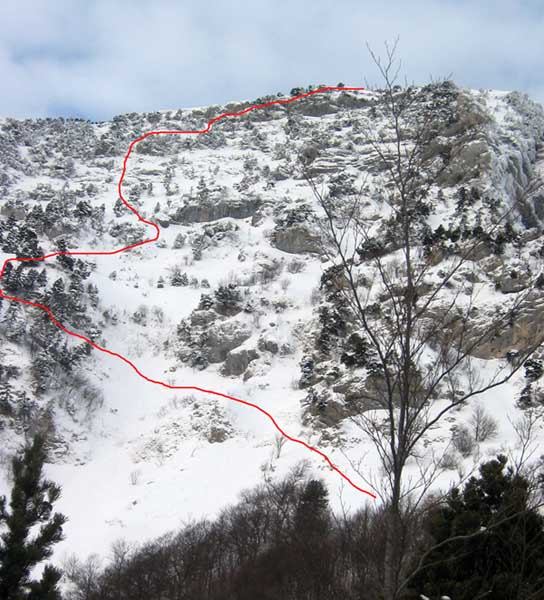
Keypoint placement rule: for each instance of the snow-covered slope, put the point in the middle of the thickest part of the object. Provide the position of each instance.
(226, 299)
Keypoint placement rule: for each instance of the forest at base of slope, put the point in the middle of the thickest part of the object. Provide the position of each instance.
(282, 540)
(483, 537)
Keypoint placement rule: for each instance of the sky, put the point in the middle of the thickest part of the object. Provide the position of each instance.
(98, 58)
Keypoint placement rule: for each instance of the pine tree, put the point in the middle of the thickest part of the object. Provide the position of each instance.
(58, 300)
(206, 302)
(41, 280)
(119, 209)
(6, 398)
(66, 261)
(28, 246)
(228, 299)
(179, 242)
(29, 282)
(83, 210)
(31, 506)
(82, 268)
(8, 270)
(13, 278)
(311, 533)
(312, 514)
(14, 323)
(11, 238)
(202, 189)
(54, 213)
(43, 369)
(75, 298)
(498, 540)
(92, 292)
(179, 279)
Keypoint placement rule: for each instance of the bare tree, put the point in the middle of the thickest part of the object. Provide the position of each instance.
(422, 335)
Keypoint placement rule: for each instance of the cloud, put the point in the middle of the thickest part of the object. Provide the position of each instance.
(100, 58)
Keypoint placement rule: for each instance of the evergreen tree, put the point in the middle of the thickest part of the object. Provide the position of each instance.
(41, 280)
(8, 271)
(28, 244)
(312, 514)
(58, 300)
(309, 554)
(92, 292)
(206, 302)
(119, 209)
(11, 239)
(178, 279)
(202, 189)
(497, 548)
(83, 210)
(6, 398)
(67, 358)
(54, 213)
(29, 282)
(43, 369)
(75, 297)
(179, 242)
(30, 507)
(82, 268)
(66, 261)
(228, 299)
(13, 322)
(12, 278)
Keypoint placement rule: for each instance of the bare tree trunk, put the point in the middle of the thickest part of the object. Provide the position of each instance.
(409, 326)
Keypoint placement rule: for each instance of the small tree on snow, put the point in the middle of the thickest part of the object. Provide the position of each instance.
(179, 242)
(178, 279)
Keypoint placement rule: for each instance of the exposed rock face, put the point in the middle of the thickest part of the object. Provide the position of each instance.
(214, 208)
(484, 342)
(224, 337)
(268, 345)
(538, 206)
(511, 281)
(352, 388)
(297, 239)
(237, 361)
(360, 393)
(471, 161)
(324, 408)
(280, 173)
(518, 335)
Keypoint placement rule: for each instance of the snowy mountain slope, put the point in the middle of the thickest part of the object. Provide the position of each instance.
(226, 300)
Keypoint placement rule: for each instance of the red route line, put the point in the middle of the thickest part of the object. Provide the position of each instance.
(154, 239)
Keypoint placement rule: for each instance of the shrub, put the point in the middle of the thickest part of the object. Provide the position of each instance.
(463, 441)
(295, 266)
(484, 426)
